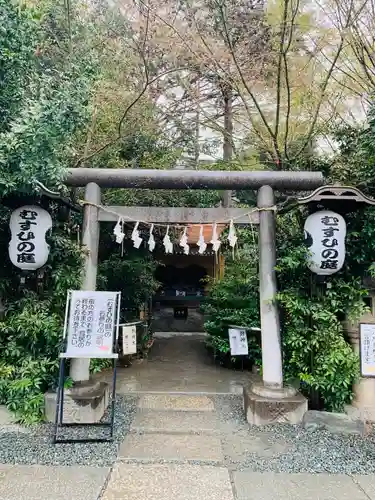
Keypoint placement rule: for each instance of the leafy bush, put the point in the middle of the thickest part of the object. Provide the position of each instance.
(133, 276)
(234, 300)
(45, 91)
(31, 331)
(316, 352)
(43, 102)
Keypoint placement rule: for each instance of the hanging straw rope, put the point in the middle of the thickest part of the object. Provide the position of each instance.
(179, 226)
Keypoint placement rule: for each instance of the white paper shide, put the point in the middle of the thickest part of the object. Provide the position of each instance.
(325, 233)
(367, 349)
(238, 342)
(28, 249)
(92, 323)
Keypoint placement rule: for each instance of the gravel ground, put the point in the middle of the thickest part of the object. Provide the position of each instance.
(34, 446)
(292, 448)
(277, 448)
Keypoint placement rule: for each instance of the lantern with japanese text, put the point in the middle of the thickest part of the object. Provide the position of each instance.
(28, 249)
(325, 233)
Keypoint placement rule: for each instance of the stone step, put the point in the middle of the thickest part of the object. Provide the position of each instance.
(175, 402)
(175, 422)
(167, 447)
(168, 482)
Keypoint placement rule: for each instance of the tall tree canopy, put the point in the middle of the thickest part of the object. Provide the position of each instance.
(45, 94)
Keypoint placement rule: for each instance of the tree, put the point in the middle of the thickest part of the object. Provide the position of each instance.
(43, 102)
(279, 63)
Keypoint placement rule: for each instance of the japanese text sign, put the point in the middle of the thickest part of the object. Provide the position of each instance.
(129, 339)
(238, 342)
(325, 233)
(28, 249)
(367, 349)
(92, 323)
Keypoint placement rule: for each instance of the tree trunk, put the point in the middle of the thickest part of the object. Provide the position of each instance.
(227, 135)
(197, 137)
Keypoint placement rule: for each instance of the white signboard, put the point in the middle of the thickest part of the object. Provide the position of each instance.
(238, 342)
(325, 233)
(92, 324)
(129, 339)
(367, 349)
(28, 249)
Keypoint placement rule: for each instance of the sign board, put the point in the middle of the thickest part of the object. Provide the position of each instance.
(325, 233)
(367, 349)
(92, 324)
(28, 249)
(238, 342)
(129, 339)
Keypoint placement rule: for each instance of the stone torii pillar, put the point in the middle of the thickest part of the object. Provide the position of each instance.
(80, 368)
(264, 403)
(269, 314)
(269, 401)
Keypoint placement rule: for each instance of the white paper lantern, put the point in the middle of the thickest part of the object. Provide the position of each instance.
(325, 233)
(28, 249)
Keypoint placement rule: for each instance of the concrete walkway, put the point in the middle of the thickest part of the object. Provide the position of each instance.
(178, 364)
(178, 449)
(132, 481)
(181, 447)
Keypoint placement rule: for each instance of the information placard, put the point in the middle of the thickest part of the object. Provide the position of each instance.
(92, 323)
(367, 349)
(238, 342)
(129, 339)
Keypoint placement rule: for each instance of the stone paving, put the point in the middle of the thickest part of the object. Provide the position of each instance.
(35, 482)
(181, 462)
(187, 447)
(178, 365)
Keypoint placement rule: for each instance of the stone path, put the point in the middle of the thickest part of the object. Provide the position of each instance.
(179, 449)
(181, 365)
(36, 482)
(188, 441)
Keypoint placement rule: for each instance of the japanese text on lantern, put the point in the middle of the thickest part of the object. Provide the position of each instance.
(329, 254)
(28, 249)
(26, 235)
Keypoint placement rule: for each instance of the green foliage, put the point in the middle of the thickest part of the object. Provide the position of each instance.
(17, 42)
(234, 300)
(31, 332)
(43, 101)
(316, 351)
(131, 274)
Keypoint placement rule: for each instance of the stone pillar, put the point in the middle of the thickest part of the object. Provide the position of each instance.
(80, 368)
(270, 402)
(87, 400)
(269, 315)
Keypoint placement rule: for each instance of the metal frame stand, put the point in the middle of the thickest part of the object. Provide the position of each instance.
(59, 423)
(59, 416)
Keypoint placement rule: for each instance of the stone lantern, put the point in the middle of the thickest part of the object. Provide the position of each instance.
(344, 200)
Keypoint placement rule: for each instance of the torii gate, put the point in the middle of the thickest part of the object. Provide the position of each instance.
(93, 179)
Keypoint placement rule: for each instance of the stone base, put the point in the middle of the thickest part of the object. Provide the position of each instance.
(364, 398)
(336, 423)
(83, 404)
(286, 407)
